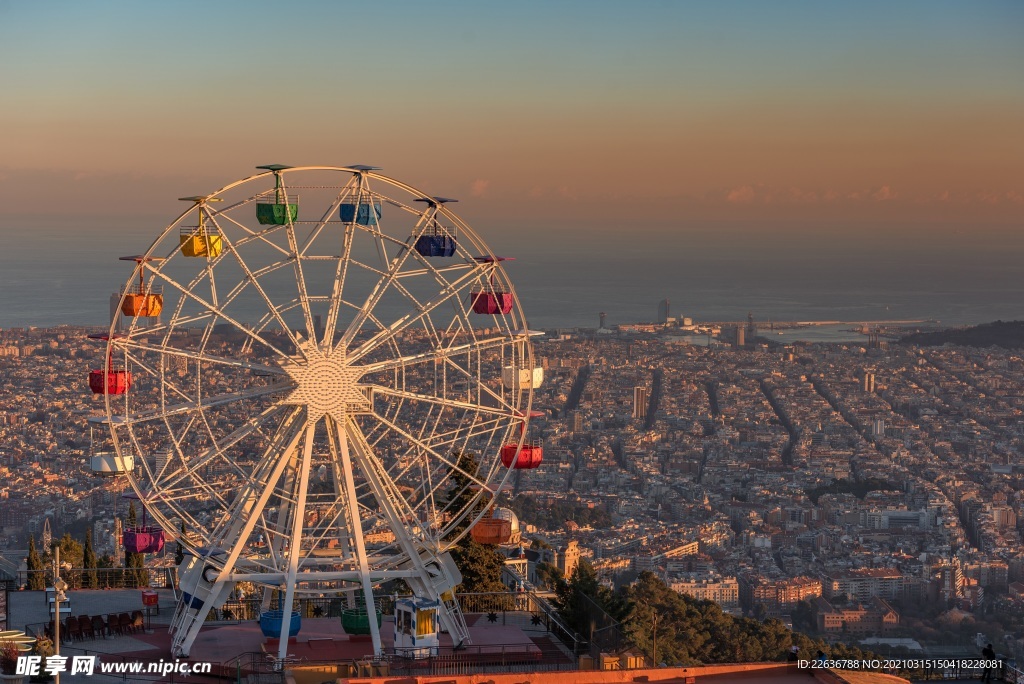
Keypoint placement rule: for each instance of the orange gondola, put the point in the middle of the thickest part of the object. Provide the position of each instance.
(138, 299)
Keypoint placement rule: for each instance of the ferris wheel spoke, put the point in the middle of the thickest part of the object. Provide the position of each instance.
(130, 343)
(393, 273)
(394, 506)
(449, 291)
(338, 290)
(238, 522)
(271, 307)
(204, 458)
(326, 217)
(428, 449)
(251, 235)
(184, 408)
(219, 313)
(339, 435)
(436, 354)
(295, 256)
(508, 412)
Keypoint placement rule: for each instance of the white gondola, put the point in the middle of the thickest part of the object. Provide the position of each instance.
(110, 464)
(520, 378)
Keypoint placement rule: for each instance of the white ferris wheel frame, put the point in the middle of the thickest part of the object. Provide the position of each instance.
(319, 382)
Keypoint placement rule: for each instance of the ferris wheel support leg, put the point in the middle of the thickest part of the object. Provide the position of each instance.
(276, 543)
(424, 585)
(346, 526)
(254, 501)
(183, 640)
(295, 544)
(357, 536)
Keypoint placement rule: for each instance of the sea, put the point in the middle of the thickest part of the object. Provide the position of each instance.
(62, 270)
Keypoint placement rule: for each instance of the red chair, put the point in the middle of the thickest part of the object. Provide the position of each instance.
(85, 626)
(71, 630)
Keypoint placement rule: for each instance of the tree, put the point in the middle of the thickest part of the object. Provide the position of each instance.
(34, 563)
(91, 578)
(586, 604)
(481, 567)
(549, 576)
(135, 563)
(71, 551)
(480, 564)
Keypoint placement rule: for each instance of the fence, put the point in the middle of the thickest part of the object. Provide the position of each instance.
(101, 578)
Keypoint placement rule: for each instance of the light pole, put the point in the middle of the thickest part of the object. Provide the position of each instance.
(655, 639)
(59, 586)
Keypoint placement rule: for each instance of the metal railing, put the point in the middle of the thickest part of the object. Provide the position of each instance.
(102, 578)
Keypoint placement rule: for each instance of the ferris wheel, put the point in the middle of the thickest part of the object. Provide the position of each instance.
(322, 394)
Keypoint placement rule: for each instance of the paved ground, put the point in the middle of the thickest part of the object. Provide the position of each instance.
(29, 608)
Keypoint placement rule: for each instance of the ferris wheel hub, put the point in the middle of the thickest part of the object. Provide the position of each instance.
(325, 384)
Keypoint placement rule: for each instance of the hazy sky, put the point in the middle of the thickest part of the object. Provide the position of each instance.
(584, 113)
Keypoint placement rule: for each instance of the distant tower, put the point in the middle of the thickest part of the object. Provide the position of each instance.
(640, 403)
(663, 311)
(741, 340)
(751, 328)
(47, 537)
(867, 381)
(603, 316)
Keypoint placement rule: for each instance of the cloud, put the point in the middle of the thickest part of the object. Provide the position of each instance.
(802, 196)
(478, 188)
(883, 194)
(742, 195)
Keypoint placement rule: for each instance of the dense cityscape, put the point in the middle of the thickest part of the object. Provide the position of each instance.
(852, 490)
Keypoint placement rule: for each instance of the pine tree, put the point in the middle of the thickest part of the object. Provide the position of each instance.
(480, 565)
(135, 563)
(34, 563)
(91, 578)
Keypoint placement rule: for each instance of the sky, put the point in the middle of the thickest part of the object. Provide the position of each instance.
(592, 116)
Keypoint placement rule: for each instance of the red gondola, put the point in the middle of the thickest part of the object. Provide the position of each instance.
(112, 379)
(142, 538)
(530, 456)
(485, 302)
(146, 539)
(490, 298)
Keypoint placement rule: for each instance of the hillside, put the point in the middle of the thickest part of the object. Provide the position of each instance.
(1006, 334)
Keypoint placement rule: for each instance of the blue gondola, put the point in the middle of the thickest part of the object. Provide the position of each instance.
(437, 241)
(361, 213)
(436, 245)
(271, 623)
